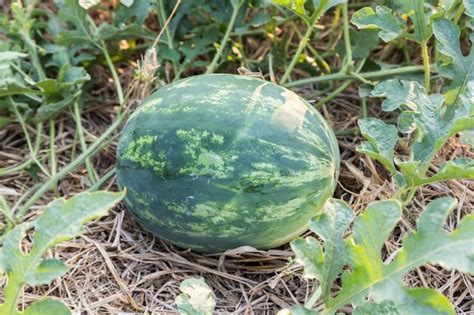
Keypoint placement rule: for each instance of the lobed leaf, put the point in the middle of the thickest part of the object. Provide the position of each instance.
(294, 5)
(381, 140)
(427, 114)
(135, 11)
(398, 93)
(72, 13)
(61, 220)
(455, 169)
(47, 306)
(382, 281)
(415, 10)
(330, 226)
(390, 27)
(461, 68)
(469, 6)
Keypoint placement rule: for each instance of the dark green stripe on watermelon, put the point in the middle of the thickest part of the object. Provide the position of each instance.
(214, 162)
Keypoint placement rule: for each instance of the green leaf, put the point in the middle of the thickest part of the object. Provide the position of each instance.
(330, 226)
(196, 299)
(47, 306)
(436, 127)
(460, 70)
(467, 137)
(11, 56)
(390, 26)
(51, 110)
(385, 307)
(364, 42)
(47, 271)
(294, 5)
(382, 18)
(431, 244)
(461, 168)
(426, 112)
(397, 93)
(82, 33)
(69, 75)
(298, 6)
(406, 122)
(61, 220)
(381, 140)
(370, 275)
(415, 10)
(469, 6)
(136, 13)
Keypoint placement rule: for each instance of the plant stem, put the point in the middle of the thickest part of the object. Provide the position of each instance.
(347, 132)
(39, 128)
(363, 107)
(333, 94)
(367, 75)
(70, 167)
(347, 38)
(301, 46)
(341, 88)
(102, 180)
(82, 141)
(426, 65)
(169, 38)
(230, 26)
(315, 53)
(6, 211)
(118, 85)
(52, 146)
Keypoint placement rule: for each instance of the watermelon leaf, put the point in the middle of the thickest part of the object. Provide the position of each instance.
(61, 220)
(460, 69)
(47, 306)
(318, 7)
(434, 125)
(196, 299)
(391, 26)
(455, 169)
(469, 6)
(330, 226)
(397, 93)
(369, 275)
(382, 18)
(381, 140)
(71, 12)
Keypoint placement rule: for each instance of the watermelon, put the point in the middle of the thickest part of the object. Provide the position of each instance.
(218, 161)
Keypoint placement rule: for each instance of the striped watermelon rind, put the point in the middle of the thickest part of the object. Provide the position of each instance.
(213, 162)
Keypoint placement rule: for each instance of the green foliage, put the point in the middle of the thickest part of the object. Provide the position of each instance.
(458, 69)
(393, 26)
(425, 115)
(369, 274)
(315, 7)
(196, 299)
(61, 220)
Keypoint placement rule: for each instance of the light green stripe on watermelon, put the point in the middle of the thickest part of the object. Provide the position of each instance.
(214, 162)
